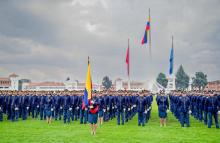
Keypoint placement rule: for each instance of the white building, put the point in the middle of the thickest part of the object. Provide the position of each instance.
(59, 86)
(9, 83)
(124, 85)
(46, 86)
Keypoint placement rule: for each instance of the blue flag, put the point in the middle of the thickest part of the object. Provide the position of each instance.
(171, 61)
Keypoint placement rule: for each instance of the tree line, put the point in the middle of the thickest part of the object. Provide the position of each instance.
(199, 81)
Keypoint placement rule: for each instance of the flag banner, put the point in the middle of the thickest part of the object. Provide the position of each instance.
(146, 33)
(171, 59)
(88, 86)
(127, 59)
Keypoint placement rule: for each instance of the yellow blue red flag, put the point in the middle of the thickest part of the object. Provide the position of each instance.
(88, 86)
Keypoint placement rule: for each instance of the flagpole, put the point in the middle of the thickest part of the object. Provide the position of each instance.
(150, 36)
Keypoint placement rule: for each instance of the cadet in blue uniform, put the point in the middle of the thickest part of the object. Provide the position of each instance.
(48, 106)
(1, 107)
(100, 112)
(93, 115)
(213, 110)
(120, 110)
(163, 106)
(184, 104)
(141, 107)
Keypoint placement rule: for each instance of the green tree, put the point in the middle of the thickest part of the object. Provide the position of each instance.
(200, 80)
(162, 80)
(106, 82)
(182, 79)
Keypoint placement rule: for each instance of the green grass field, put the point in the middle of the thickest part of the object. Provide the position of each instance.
(36, 131)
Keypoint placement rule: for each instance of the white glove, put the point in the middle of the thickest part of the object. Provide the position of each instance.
(145, 111)
(16, 108)
(51, 109)
(77, 107)
(86, 109)
(70, 109)
(104, 110)
(190, 111)
(124, 109)
(61, 107)
(27, 108)
(37, 106)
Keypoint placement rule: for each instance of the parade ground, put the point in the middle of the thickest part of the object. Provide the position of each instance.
(37, 131)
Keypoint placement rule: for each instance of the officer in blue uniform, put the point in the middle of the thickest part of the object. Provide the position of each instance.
(120, 110)
(1, 107)
(67, 110)
(213, 107)
(184, 104)
(141, 108)
(16, 107)
(93, 115)
(163, 106)
(100, 112)
(61, 106)
(42, 103)
(48, 106)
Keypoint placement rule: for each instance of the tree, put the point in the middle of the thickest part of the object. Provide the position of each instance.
(182, 79)
(106, 82)
(200, 80)
(162, 80)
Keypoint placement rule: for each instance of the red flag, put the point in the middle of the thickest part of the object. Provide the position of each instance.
(127, 58)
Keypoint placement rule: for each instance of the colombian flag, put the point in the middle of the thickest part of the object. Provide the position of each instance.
(146, 32)
(88, 87)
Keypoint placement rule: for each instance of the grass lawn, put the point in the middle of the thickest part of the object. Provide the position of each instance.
(36, 131)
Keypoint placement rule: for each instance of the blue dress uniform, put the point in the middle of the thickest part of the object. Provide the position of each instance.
(61, 105)
(163, 106)
(205, 109)
(48, 106)
(66, 113)
(42, 102)
(120, 110)
(37, 106)
(106, 108)
(83, 112)
(73, 106)
(8, 107)
(16, 107)
(184, 105)
(13, 108)
(213, 110)
(56, 106)
(77, 110)
(101, 104)
(32, 105)
(93, 111)
(141, 108)
(53, 106)
(149, 100)
(1, 107)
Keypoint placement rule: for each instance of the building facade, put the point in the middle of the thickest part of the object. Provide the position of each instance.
(214, 85)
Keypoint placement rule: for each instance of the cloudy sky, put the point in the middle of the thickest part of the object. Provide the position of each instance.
(51, 39)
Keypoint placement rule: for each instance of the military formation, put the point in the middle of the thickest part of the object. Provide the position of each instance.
(69, 107)
(202, 106)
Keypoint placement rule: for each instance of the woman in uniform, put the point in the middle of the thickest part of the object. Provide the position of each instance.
(93, 115)
(163, 106)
